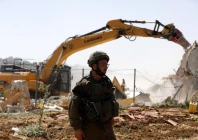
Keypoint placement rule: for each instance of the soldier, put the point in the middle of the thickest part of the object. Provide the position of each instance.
(93, 106)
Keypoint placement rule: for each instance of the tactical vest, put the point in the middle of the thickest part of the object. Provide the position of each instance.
(101, 94)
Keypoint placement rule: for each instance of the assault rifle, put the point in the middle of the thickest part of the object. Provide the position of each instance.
(94, 115)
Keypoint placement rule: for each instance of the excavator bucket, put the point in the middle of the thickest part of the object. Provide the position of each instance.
(119, 92)
(178, 38)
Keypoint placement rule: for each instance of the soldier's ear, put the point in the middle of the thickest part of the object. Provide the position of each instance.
(94, 66)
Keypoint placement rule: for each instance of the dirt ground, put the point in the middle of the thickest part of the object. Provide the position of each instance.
(134, 123)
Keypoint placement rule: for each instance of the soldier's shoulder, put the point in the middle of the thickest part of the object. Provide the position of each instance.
(84, 80)
(107, 79)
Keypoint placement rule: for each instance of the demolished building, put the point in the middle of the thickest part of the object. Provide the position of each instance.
(183, 85)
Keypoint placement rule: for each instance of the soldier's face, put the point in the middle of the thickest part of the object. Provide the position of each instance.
(103, 65)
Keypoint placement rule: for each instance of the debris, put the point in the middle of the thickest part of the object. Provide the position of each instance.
(52, 108)
(17, 93)
(140, 116)
(151, 113)
(62, 116)
(172, 122)
(134, 109)
(16, 130)
(15, 109)
(143, 99)
(131, 116)
(119, 118)
(173, 110)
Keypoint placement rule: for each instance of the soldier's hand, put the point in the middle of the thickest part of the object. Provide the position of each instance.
(79, 134)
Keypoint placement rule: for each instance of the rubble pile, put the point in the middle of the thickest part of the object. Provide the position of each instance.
(15, 97)
(132, 115)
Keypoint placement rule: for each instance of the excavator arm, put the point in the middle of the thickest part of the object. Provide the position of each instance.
(114, 29)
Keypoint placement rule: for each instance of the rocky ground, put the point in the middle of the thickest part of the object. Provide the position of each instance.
(133, 123)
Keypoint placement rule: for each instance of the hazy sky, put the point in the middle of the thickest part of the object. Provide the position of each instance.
(32, 29)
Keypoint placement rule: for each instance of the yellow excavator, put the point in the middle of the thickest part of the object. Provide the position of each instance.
(113, 30)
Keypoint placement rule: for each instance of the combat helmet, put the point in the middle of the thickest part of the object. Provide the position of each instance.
(96, 56)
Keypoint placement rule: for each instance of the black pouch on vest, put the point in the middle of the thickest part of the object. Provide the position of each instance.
(107, 111)
(115, 109)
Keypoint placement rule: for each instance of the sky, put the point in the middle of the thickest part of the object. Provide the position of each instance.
(33, 29)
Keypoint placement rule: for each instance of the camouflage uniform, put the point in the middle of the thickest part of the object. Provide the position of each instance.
(100, 92)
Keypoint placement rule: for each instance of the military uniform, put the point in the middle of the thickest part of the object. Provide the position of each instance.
(100, 93)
